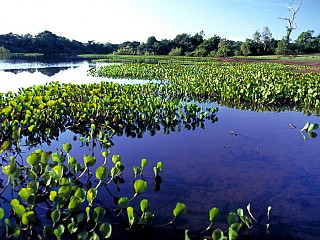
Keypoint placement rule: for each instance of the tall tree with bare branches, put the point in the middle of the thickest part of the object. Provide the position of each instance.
(291, 20)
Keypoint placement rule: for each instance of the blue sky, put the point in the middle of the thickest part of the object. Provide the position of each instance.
(117, 21)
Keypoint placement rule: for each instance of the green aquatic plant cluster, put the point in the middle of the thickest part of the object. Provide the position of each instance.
(238, 84)
(55, 196)
(40, 113)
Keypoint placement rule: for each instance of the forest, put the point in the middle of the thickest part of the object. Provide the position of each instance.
(261, 43)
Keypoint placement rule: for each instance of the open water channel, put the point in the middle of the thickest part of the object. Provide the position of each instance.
(244, 157)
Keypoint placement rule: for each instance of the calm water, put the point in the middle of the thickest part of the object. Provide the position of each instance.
(265, 163)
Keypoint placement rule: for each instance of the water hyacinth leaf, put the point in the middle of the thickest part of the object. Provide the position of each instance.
(123, 202)
(130, 215)
(105, 230)
(232, 234)
(74, 204)
(25, 193)
(28, 217)
(105, 153)
(214, 214)
(232, 218)
(218, 235)
(136, 170)
(240, 212)
(91, 195)
(46, 178)
(98, 214)
(94, 236)
(312, 127)
(52, 195)
(72, 227)
(55, 215)
(144, 163)
(186, 237)
(81, 194)
(179, 210)
(67, 147)
(82, 235)
(144, 204)
(115, 171)
(6, 145)
(1, 213)
(140, 186)
(33, 159)
(19, 210)
(89, 160)
(58, 231)
(116, 158)
(57, 172)
(102, 172)
(306, 126)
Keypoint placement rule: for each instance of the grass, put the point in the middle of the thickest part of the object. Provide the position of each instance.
(310, 57)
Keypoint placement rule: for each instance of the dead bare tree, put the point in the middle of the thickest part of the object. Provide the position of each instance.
(291, 21)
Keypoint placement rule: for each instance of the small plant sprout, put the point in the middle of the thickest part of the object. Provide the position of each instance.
(157, 169)
(140, 186)
(268, 219)
(249, 211)
(214, 215)
(178, 211)
(309, 129)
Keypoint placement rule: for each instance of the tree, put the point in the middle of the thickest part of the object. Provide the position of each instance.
(291, 21)
(305, 42)
(266, 38)
(4, 51)
(223, 48)
(245, 47)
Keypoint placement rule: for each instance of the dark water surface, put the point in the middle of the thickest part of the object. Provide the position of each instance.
(244, 157)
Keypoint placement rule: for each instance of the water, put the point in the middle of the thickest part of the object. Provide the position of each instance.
(16, 73)
(244, 157)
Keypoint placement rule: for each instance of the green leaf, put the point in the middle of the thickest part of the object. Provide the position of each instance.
(123, 202)
(28, 217)
(25, 193)
(140, 186)
(67, 147)
(105, 230)
(218, 235)
(116, 158)
(136, 170)
(179, 210)
(101, 172)
(91, 195)
(144, 204)
(144, 162)
(83, 235)
(33, 159)
(98, 214)
(6, 145)
(306, 126)
(55, 215)
(74, 204)
(56, 172)
(1, 213)
(58, 231)
(232, 218)
(214, 214)
(19, 210)
(89, 160)
(240, 212)
(81, 194)
(130, 215)
(186, 237)
(232, 234)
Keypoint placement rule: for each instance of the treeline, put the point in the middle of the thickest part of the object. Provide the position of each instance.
(182, 45)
